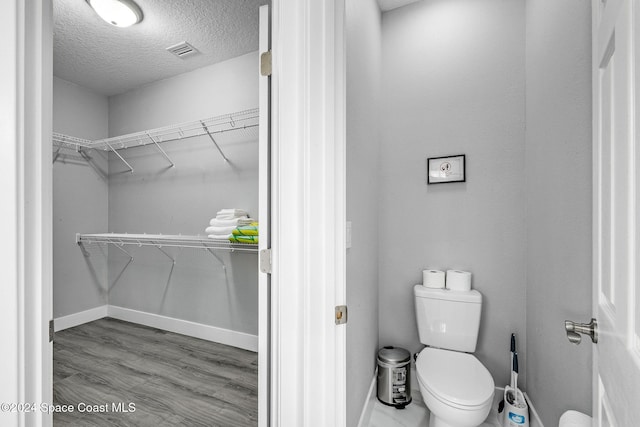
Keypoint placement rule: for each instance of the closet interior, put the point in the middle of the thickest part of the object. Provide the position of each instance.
(148, 146)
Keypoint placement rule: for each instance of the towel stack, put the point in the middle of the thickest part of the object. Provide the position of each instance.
(245, 234)
(221, 227)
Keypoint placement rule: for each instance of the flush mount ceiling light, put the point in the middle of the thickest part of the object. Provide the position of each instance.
(119, 13)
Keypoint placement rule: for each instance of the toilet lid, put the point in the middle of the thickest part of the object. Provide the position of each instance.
(454, 377)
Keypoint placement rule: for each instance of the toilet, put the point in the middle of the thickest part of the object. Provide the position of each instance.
(455, 386)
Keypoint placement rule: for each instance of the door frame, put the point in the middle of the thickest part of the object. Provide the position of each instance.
(307, 366)
(308, 213)
(25, 216)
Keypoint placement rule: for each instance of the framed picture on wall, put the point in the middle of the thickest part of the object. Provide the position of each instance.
(441, 170)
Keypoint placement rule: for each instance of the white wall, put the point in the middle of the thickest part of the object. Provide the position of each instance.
(453, 82)
(80, 195)
(158, 199)
(363, 22)
(558, 167)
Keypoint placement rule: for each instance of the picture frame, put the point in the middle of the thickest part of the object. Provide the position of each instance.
(446, 169)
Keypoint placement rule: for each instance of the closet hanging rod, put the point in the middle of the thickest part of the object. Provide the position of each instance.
(164, 240)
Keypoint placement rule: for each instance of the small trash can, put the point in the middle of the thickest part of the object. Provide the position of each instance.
(394, 376)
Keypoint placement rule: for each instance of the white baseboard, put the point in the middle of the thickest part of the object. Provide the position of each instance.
(185, 327)
(365, 416)
(535, 419)
(76, 319)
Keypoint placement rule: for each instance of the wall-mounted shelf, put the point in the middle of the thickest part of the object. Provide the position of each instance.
(164, 240)
(160, 241)
(242, 121)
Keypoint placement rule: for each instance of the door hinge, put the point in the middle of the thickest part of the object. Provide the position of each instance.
(265, 261)
(265, 63)
(341, 314)
(51, 330)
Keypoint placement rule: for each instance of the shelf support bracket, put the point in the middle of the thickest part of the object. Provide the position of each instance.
(206, 129)
(119, 156)
(165, 253)
(161, 150)
(57, 153)
(224, 267)
(123, 250)
(128, 262)
(84, 250)
(173, 261)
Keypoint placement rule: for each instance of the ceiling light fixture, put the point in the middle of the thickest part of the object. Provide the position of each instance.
(119, 13)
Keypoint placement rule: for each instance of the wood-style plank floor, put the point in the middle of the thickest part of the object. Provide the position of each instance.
(172, 379)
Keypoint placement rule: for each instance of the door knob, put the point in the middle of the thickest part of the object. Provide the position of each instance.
(574, 330)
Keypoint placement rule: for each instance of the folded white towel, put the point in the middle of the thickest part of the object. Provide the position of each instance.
(220, 236)
(231, 222)
(225, 222)
(226, 217)
(233, 212)
(220, 230)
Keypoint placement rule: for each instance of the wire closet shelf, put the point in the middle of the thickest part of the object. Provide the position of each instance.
(164, 240)
(242, 121)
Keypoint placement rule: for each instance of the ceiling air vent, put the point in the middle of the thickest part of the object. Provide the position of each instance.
(182, 50)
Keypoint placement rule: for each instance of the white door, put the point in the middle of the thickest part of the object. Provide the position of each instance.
(264, 280)
(616, 236)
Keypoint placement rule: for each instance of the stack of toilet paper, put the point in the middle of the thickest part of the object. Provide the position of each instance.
(455, 280)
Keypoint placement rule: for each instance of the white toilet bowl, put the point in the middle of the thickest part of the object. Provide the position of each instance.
(574, 419)
(455, 386)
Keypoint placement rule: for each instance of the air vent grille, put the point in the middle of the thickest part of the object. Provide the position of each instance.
(182, 50)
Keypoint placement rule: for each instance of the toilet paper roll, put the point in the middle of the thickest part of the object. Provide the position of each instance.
(433, 279)
(458, 280)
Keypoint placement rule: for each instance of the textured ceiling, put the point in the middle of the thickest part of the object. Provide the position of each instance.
(110, 60)
(386, 5)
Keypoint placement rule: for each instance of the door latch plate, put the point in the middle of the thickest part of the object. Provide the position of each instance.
(341, 314)
(265, 63)
(265, 261)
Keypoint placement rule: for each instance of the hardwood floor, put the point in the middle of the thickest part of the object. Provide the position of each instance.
(171, 379)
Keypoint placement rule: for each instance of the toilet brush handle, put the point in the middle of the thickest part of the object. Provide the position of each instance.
(515, 371)
(512, 382)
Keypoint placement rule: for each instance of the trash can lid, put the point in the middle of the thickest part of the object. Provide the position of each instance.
(391, 354)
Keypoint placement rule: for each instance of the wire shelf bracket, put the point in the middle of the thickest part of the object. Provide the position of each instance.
(206, 129)
(173, 165)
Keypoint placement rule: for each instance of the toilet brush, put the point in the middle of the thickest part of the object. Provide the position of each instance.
(512, 350)
(513, 410)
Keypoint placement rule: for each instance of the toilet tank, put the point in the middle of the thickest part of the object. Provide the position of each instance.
(448, 319)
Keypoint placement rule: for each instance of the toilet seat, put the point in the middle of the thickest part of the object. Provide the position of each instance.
(456, 379)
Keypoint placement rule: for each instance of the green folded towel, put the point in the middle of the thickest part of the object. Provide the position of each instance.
(246, 230)
(243, 239)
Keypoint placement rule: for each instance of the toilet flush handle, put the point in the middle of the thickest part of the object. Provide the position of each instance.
(574, 330)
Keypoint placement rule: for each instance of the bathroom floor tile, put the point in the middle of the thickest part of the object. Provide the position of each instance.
(416, 414)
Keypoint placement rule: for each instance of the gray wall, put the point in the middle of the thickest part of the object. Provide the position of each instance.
(80, 195)
(558, 166)
(181, 200)
(363, 145)
(453, 82)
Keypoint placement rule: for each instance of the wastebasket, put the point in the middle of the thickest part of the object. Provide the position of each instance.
(394, 376)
